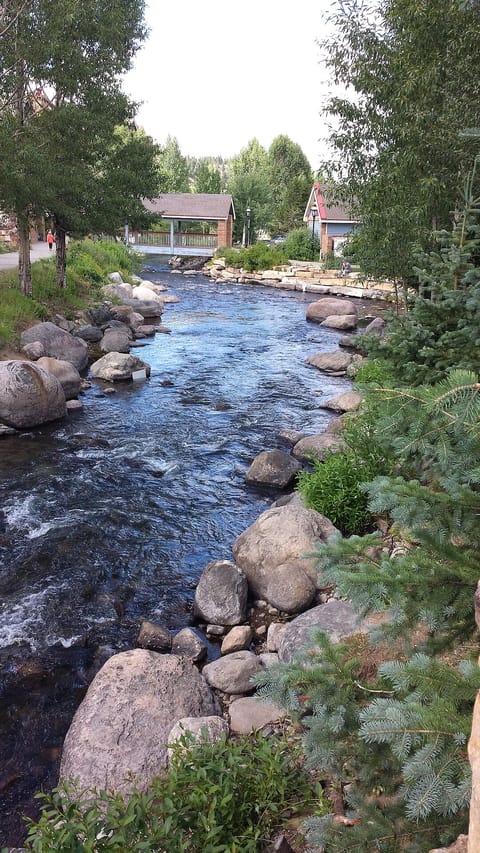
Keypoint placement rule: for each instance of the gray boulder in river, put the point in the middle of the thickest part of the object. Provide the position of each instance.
(29, 396)
(66, 373)
(328, 307)
(119, 733)
(272, 554)
(118, 367)
(58, 344)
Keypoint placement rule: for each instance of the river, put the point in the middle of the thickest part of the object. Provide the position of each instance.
(110, 516)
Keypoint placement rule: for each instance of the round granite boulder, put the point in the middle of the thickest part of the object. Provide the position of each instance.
(29, 396)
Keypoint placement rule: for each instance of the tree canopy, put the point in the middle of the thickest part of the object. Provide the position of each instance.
(60, 67)
(409, 86)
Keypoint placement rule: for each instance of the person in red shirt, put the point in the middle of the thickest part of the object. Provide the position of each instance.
(50, 239)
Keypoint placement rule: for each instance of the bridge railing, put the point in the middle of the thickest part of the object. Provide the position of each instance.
(180, 240)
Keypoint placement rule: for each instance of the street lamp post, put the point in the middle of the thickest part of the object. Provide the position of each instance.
(247, 236)
(314, 215)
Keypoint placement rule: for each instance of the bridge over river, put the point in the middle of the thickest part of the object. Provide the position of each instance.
(193, 223)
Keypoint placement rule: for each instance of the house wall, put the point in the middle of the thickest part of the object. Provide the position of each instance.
(339, 229)
(225, 232)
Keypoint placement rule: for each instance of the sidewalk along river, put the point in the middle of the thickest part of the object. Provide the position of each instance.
(110, 517)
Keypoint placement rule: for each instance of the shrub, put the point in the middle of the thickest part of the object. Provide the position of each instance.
(332, 262)
(335, 487)
(256, 257)
(224, 797)
(301, 245)
(102, 256)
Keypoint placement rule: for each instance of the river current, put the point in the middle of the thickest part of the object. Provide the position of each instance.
(109, 517)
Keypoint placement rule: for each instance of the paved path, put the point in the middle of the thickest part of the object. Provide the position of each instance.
(9, 260)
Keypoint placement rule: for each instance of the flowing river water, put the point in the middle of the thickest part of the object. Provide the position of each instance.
(109, 517)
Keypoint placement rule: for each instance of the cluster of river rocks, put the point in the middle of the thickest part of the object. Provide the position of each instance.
(257, 609)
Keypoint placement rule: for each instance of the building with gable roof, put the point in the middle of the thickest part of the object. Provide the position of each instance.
(186, 212)
(331, 222)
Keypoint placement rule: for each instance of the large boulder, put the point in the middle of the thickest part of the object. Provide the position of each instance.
(329, 306)
(90, 334)
(272, 554)
(143, 292)
(221, 594)
(233, 673)
(120, 289)
(66, 373)
(29, 396)
(318, 445)
(122, 726)
(58, 344)
(343, 322)
(337, 619)
(118, 367)
(249, 714)
(116, 339)
(273, 468)
(146, 307)
(335, 362)
(348, 401)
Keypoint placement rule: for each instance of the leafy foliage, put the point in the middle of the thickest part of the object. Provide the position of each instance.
(172, 168)
(256, 257)
(396, 148)
(89, 263)
(223, 797)
(301, 245)
(334, 487)
(291, 176)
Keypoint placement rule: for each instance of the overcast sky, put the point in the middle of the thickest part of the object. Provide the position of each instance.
(219, 73)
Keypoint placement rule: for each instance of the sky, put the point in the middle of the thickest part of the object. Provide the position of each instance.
(217, 74)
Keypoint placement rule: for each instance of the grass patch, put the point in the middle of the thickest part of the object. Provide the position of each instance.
(88, 264)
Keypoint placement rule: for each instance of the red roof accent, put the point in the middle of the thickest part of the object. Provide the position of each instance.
(320, 202)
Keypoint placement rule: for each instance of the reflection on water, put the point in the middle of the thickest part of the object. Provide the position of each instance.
(109, 517)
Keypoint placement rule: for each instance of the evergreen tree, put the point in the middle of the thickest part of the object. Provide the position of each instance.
(390, 739)
(440, 330)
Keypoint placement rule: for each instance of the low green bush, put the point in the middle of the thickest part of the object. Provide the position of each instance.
(256, 257)
(225, 797)
(332, 261)
(101, 255)
(88, 264)
(302, 245)
(334, 487)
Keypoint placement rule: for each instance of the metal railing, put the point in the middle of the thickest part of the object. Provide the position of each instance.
(180, 240)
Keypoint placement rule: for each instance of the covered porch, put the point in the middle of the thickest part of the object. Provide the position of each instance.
(190, 217)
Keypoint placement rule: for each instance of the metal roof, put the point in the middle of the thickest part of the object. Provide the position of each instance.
(198, 206)
(328, 212)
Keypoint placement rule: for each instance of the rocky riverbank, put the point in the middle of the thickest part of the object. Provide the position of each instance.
(256, 608)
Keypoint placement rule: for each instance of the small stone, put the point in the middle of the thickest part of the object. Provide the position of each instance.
(154, 637)
(237, 639)
(215, 630)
